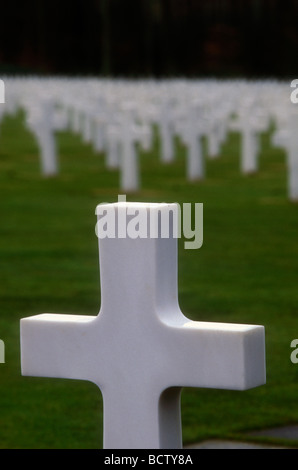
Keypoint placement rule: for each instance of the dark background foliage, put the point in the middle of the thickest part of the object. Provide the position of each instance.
(150, 38)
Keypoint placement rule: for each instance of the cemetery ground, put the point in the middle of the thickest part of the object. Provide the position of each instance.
(245, 272)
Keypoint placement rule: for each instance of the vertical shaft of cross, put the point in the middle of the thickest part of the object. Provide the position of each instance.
(292, 157)
(248, 152)
(140, 273)
(141, 350)
(129, 159)
(136, 419)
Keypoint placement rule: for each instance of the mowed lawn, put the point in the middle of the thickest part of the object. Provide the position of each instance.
(245, 272)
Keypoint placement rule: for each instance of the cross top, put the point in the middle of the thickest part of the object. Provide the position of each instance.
(141, 350)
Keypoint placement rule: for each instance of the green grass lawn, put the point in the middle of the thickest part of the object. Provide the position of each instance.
(245, 272)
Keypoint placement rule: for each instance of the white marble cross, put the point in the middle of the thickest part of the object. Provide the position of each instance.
(2, 92)
(131, 134)
(250, 125)
(191, 132)
(218, 119)
(112, 146)
(292, 158)
(165, 123)
(287, 137)
(141, 350)
(44, 120)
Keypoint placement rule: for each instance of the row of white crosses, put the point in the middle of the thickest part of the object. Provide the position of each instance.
(85, 114)
(114, 131)
(116, 115)
(141, 350)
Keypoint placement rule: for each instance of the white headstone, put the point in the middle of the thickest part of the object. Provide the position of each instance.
(249, 153)
(131, 134)
(287, 137)
(191, 131)
(112, 146)
(140, 350)
(100, 139)
(44, 120)
(292, 157)
(166, 133)
(250, 124)
(76, 120)
(2, 92)
(213, 142)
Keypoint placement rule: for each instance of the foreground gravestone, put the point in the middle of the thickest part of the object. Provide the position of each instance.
(140, 350)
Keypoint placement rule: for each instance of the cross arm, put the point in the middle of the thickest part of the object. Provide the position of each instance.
(217, 355)
(53, 345)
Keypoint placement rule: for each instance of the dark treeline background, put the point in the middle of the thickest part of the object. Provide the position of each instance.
(142, 38)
